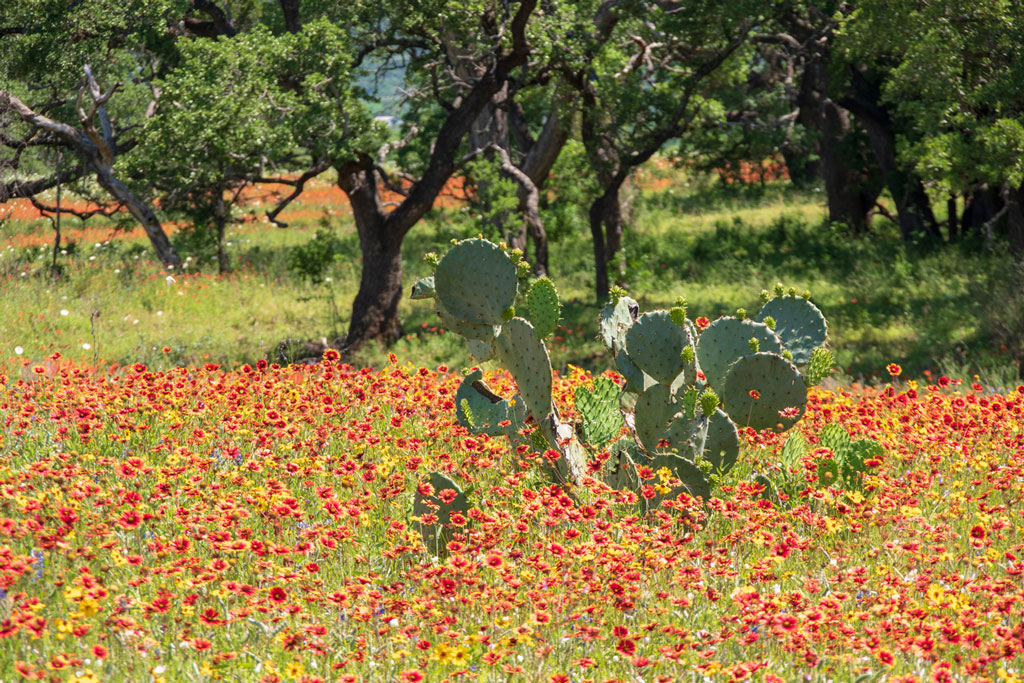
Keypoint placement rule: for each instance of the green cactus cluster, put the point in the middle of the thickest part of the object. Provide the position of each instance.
(687, 392)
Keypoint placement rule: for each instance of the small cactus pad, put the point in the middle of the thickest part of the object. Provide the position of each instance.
(526, 358)
(798, 323)
(727, 340)
(637, 381)
(476, 281)
(423, 289)
(655, 344)
(722, 447)
(686, 436)
(764, 390)
(599, 416)
(481, 351)
(615, 321)
(692, 480)
(544, 309)
(654, 411)
(486, 409)
(479, 331)
(436, 535)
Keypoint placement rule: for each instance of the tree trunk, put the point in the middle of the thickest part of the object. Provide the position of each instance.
(375, 309)
(848, 200)
(142, 212)
(952, 226)
(979, 208)
(1015, 221)
(912, 206)
(601, 288)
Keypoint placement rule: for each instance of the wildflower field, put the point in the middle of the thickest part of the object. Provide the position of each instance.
(197, 524)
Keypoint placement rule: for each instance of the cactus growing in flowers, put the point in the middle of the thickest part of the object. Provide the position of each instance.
(688, 388)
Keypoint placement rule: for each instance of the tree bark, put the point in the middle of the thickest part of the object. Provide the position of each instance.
(848, 200)
(1015, 221)
(98, 155)
(912, 205)
(375, 308)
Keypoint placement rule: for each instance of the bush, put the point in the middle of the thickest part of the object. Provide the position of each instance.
(311, 260)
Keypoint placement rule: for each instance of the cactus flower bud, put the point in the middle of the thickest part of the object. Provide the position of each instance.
(678, 315)
(787, 355)
(806, 294)
(687, 354)
(741, 313)
(779, 289)
(430, 258)
(508, 313)
(755, 345)
(764, 296)
(770, 322)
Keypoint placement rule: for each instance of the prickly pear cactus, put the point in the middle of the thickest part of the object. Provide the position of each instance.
(725, 341)
(765, 391)
(436, 501)
(655, 409)
(687, 391)
(615, 320)
(544, 307)
(476, 282)
(423, 289)
(722, 447)
(526, 358)
(798, 323)
(598, 408)
(481, 411)
(655, 345)
(668, 467)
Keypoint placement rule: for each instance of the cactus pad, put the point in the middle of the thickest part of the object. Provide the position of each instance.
(727, 340)
(655, 344)
(722, 446)
(486, 409)
(526, 358)
(687, 436)
(637, 381)
(543, 306)
(423, 289)
(654, 410)
(481, 351)
(692, 480)
(764, 390)
(600, 419)
(437, 534)
(476, 281)
(615, 321)
(478, 331)
(798, 323)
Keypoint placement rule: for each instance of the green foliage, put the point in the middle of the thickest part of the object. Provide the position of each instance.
(311, 261)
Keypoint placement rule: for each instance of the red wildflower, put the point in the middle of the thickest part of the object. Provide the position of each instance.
(278, 594)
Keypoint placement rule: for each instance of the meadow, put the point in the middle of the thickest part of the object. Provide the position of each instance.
(180, 501)
(931, 307)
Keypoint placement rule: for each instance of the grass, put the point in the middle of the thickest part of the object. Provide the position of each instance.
(717, 245)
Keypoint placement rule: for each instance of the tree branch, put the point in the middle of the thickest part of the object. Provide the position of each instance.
(299, 185)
